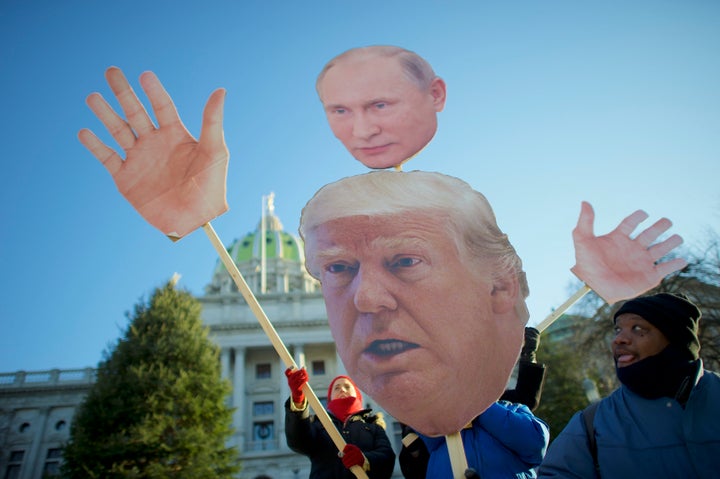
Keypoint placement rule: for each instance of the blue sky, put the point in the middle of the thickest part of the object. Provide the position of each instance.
(549, 103)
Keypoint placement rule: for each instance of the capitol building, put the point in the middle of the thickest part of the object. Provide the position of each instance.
(37, 408)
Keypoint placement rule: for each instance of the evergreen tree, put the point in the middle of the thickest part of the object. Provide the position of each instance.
(563, 393)
(158, 408)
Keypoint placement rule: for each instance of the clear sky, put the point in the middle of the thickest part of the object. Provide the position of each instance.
(549, 103)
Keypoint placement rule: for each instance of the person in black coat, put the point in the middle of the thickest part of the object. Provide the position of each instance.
(531, 374)
(368, 445)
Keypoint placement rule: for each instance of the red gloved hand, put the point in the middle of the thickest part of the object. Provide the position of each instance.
(352, 456)
(296, 379)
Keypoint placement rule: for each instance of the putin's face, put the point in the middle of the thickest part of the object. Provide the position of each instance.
(419, 324)
(381, 116)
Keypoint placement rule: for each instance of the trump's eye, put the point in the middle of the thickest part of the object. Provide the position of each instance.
(338, 268)
(404, 262)
(380, 105)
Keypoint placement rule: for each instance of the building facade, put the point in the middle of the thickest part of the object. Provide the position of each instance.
(36, 409)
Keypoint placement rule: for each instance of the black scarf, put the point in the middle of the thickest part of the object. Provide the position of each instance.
(666, 374)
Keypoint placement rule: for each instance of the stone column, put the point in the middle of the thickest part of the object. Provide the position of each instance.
(340, 367)
(299, 357)
(35, 460)
(299, 354)
(238, 398)
(225, 363)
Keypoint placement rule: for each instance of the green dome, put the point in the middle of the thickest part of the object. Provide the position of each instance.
(280, 270)
(279, 245)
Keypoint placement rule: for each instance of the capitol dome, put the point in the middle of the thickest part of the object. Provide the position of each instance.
(276, 265)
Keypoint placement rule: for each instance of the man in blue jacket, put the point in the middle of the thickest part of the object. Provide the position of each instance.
(663, 421)
(505, 441)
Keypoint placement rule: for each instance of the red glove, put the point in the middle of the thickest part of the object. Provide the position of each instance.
(352, 456)
(296, 379)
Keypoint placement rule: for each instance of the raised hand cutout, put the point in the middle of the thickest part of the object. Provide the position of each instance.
(619, 267)
(174, 181)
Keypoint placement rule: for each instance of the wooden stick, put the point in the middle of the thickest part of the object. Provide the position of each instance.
(277, 343)
(562, 308)
(458, 461)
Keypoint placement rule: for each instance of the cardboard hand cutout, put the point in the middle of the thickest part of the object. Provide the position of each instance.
(618, 267)
(175, 182)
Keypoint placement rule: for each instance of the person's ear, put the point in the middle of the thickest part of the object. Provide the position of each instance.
(504, 293)
(438, 92)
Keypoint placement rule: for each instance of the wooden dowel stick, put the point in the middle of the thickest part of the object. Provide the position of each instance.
(458, 461)
(562, 308)
(277, 343)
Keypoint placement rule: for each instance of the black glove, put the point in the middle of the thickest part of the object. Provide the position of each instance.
(532, 341)
(471, 473)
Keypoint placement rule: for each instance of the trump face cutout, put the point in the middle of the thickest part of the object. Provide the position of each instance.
(424, 294)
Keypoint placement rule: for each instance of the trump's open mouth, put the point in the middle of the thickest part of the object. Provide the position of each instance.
(389, 347)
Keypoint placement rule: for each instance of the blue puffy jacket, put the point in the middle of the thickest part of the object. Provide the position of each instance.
(644, 438)
(505, 441)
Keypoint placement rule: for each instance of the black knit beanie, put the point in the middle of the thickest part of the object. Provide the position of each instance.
(674, 315)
